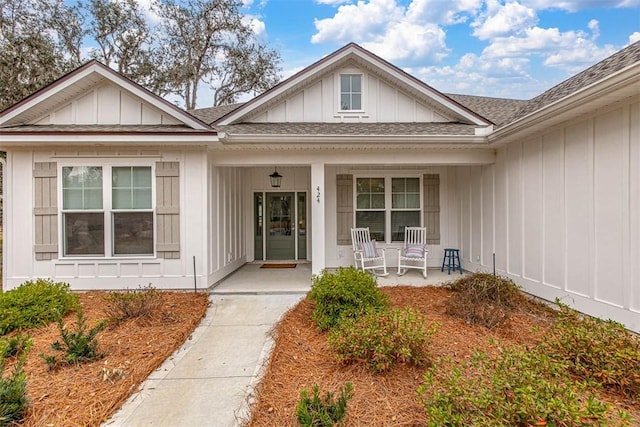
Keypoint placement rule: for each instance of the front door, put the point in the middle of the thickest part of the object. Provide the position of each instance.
(280, 226)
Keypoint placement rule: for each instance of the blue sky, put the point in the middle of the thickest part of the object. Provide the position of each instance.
(513, 49)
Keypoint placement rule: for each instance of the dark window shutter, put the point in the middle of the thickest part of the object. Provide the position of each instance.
(431, 187)
(168, 209)
(45, 210)
(344, 196)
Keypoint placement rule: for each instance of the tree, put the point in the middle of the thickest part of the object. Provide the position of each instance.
(123, 37)
(32, 53)
(209, 42)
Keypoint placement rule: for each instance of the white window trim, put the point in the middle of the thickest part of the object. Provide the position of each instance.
(388, 199)
(363, 88)
(107, 210)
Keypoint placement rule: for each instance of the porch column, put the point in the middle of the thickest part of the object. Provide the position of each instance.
(317, 197)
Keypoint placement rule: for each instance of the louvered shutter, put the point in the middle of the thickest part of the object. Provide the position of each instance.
(344, 202)
(168, 209)
(45, 210)
(431, 187)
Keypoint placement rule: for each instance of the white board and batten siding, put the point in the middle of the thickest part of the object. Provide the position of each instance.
(561, 210)
(319, 101)
(35, 238)
(107, 104)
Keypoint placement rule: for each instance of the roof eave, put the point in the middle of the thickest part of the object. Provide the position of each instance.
(561, 110)
(326, 139)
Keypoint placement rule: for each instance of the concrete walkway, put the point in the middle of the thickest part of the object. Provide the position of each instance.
(208, 380)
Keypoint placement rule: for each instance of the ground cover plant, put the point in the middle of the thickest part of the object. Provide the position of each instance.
(13, 381)
(87, 393)
(303, 357)
(317, 410)
(35, 303)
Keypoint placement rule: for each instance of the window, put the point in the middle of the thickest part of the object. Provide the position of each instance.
(387, 205)
(97, 216)
(350, 92)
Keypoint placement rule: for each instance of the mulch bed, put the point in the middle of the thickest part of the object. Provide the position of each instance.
(301, 358)
(85, 394)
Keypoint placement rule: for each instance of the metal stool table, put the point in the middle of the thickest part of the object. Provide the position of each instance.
(451, 260)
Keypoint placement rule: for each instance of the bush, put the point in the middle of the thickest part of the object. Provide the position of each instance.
(345, 293)
(382, 339)
(316, 412)
(596, 349)
(484, 299)
(13, 385)
(79, 346)
(35, 303)
(144, 302)
(518, 388)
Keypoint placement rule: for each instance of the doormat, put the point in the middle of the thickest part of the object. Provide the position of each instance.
(280, 265)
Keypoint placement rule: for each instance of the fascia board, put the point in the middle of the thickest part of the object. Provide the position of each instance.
(620, 79)
(346, 139)
(39, 140)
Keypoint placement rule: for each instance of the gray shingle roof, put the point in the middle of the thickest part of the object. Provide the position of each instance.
(498, 110)
(211, 114)
(604, 68)
(360, 129)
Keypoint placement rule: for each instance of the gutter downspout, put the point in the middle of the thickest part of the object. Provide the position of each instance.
(3, 162)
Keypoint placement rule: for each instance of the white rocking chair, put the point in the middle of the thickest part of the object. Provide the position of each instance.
(413, 253)
(365, 253)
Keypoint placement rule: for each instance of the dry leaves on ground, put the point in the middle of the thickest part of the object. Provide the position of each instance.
(301, 358)
(87, 394)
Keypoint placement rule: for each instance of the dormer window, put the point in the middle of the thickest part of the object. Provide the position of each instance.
(350, 92)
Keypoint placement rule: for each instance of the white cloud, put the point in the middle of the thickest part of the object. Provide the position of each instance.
(634, 37)
(410, 41)
(257, 26)
(333, 2)
(361, 21)
(575, 5)
(501, 20)
(442, 12)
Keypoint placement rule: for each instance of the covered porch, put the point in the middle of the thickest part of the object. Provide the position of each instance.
(252, 279)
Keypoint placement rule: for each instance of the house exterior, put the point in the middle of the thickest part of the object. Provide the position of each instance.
(108, 186)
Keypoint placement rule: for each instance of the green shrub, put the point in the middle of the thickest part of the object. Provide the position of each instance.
(144, 302)
(78, 345)
(596, 349)
(35, 303)
(13, 384)
(313, 411)
(517, 388)
(381, 339)
(12, 346)
(484, 299)
(345, 293)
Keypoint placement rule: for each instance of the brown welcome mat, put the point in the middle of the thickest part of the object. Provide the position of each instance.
(280, 265)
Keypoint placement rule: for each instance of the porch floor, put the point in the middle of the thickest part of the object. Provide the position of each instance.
(251, 279)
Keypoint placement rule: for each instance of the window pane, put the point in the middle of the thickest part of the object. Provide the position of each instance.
(413, 185)
(356, 85)
(398, 201)
(345, 102)
(363, 185)
(142, 199)
(131, 187)
(373, 220)
(402, 219)
(377, 185)
(133, 233)
(83, 234)
(413, 201)
(364, 201)
(356, 102)
(345, 83)
(82, 187)
(377, 201)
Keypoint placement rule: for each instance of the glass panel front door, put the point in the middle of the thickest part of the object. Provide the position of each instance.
(280, 226)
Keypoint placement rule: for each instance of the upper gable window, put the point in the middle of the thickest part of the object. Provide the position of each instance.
(350, 92)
